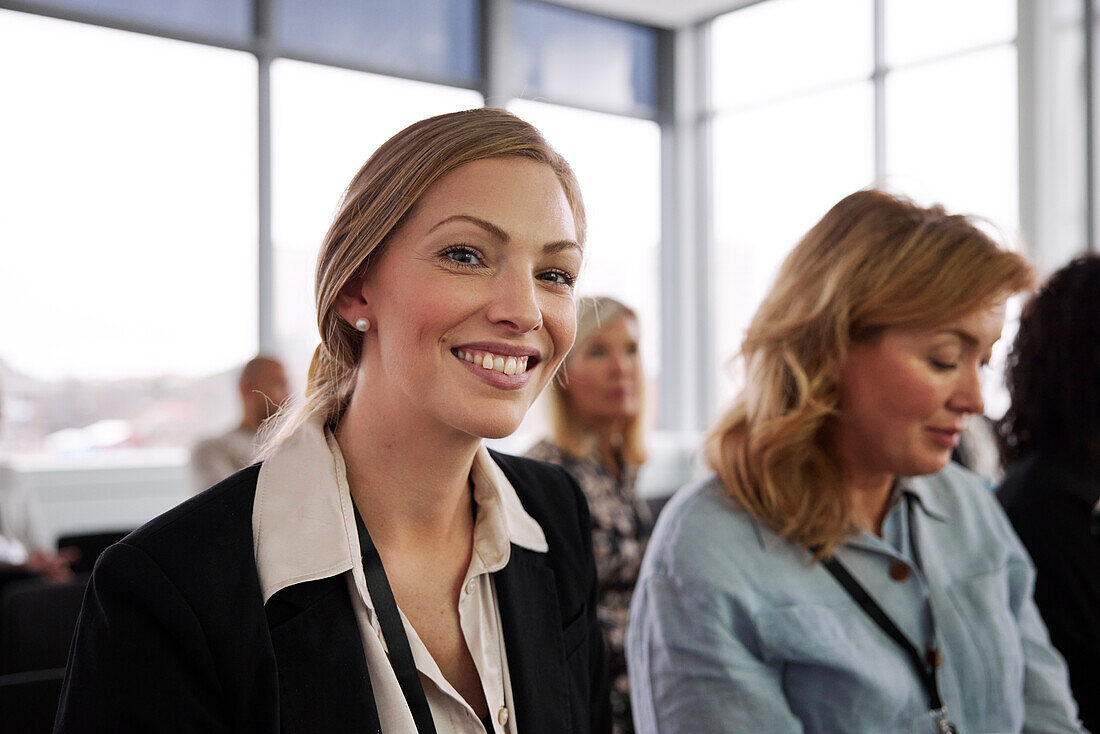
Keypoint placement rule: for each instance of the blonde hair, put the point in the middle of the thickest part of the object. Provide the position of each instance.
(377, 202)
(874, 261)
(566, 428)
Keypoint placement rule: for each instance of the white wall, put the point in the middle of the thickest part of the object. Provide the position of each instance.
(87, 494)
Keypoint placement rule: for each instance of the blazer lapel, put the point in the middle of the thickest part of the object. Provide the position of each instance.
(532, 627)
(324, 684)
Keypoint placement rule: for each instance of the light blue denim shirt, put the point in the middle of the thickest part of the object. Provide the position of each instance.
(733, 629)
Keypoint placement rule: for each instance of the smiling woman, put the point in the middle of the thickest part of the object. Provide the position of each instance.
(381, 569)
(485, 265)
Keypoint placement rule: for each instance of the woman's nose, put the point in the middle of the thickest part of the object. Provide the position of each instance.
(514, 303)
(968, 393)
(621, 364)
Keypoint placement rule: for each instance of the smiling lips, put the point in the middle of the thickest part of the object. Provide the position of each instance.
(946, 437)
(507, 365)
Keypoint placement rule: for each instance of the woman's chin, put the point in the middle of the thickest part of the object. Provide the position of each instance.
(490, 427)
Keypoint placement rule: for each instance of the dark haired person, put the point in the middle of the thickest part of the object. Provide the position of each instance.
(1050, 441)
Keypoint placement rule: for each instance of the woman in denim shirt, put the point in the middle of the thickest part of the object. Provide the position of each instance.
(862, 368)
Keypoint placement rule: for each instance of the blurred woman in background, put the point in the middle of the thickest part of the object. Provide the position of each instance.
(597, 434)
(837, 574)
(381, 570)
(1050, 441)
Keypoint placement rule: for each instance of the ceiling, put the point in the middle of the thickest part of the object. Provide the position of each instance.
(662, 13)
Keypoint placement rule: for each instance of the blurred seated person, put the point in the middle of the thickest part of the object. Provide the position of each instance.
(1050, 440)
(596, 434)
(263, 388)
(21, 555)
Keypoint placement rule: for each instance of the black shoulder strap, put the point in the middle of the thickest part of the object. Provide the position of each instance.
(879, 617)
(926, 669)
(393, 631)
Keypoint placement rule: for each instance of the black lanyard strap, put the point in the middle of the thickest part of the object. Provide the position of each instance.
(926, 669)
(924, 665)
(389, 618)
(861, 597)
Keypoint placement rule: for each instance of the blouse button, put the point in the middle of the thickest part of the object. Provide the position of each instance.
(470, 586)
(899, 571)
(934, 658)
(502, 716)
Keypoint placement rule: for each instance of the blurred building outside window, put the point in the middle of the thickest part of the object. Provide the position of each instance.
(128, 171)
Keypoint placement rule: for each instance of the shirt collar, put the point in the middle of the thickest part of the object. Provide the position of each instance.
(928, 491)
(303, 519)
(499, 506)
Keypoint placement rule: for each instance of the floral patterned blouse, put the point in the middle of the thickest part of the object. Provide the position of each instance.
(620, 528)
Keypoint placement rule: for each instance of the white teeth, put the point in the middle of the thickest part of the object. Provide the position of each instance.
(495, 362)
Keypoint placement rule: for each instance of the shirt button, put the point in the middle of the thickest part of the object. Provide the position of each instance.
(502, 716)
(899, 571)
(934, 658)
(470, 585)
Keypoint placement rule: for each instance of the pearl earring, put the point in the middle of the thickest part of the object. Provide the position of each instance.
(362, 324)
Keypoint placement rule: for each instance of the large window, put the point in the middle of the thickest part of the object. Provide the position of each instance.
(572, 57)
(221, 20)
(436, 39)
(128, 228)
(950, 127)
(789, 140)
(804, 110)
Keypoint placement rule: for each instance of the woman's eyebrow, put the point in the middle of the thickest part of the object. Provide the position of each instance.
(549, 248)
(554, 247)
(965, 337)
(489, 227)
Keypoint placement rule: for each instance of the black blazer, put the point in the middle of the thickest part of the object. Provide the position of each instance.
(174, 635)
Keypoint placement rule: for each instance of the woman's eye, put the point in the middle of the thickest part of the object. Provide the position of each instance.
(942, 365)
(463, 255)
(558, 277)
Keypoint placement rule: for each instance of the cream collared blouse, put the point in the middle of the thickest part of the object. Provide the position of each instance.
(303, 527)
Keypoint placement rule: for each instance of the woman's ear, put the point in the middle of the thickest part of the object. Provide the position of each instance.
(351, 301)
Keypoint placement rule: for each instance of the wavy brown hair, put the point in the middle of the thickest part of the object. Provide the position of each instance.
(873, 261)
(1053, 372)
(378, 201)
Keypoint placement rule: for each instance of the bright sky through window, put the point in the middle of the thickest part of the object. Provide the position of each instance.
(127, 203)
